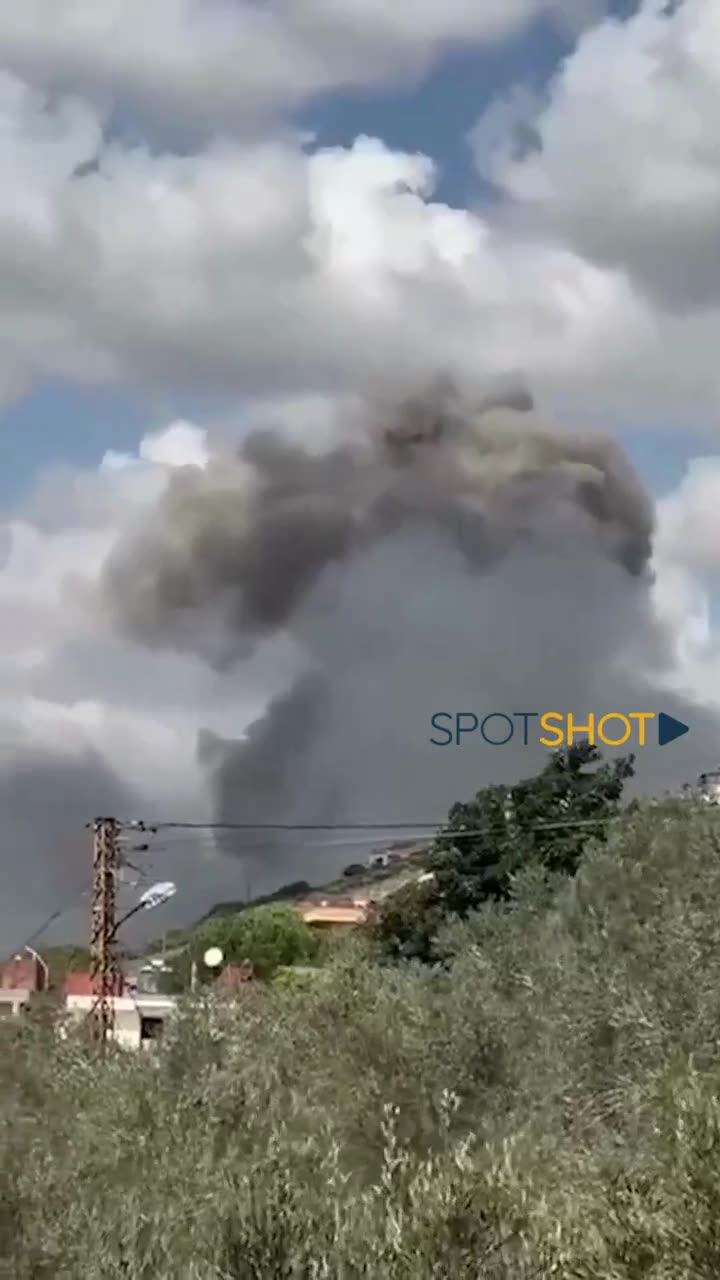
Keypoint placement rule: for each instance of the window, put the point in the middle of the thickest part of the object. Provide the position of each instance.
(151, 1028)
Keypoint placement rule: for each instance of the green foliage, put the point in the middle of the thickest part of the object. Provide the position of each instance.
(407, 923)
(297, 977)
(543, 1105)
(269, 936)
(509, 829)
(516, 826)
(62, 960)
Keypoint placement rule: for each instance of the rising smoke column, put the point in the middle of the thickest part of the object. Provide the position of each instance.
(450, 557)
(238, 547)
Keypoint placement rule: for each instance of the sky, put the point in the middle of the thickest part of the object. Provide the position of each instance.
(228, 213)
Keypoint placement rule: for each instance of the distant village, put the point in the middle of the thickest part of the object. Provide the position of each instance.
(141, 1010)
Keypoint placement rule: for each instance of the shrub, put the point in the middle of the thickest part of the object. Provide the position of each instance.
(542, 1104)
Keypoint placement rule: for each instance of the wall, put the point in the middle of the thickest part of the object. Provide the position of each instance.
(21, 973)
(14, 999)
(128, 1014)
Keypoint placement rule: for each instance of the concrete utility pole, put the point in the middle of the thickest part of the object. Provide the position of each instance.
(103, 964)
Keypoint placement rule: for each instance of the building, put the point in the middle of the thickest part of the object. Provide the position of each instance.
(394, 854)
(708, 786)
(20, 979)
(335, 915)
(140, 1016)
(149, 977)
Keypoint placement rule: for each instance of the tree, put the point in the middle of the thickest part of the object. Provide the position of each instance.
(407, 923)
(269, 936)
(545, 820)
(542, 821)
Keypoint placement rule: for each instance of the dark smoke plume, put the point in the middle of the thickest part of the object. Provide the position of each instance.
(246, 540)
(455, 557)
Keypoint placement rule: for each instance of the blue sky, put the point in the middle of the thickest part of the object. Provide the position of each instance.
(58, 422)
(209, 259)
(437, 116)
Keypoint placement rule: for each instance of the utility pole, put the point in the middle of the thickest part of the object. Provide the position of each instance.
(103, 964)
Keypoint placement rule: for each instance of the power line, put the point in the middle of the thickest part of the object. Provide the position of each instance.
(71, 904)
(379, 827)
(55, 915)
(441, 832)
(342, 826)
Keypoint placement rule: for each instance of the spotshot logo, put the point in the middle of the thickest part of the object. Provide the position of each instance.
(556, 728)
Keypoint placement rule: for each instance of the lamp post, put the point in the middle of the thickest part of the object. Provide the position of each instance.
(43, 965)
(155, 896)
(38, 960)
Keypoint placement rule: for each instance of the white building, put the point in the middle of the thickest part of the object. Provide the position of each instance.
(709, 786)
(139, 1019)
(21, 979)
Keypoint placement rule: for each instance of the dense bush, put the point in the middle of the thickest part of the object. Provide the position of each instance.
(543, 822)
(544, 1103)
(269, 936)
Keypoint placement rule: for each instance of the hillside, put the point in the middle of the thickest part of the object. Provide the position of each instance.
(545, 1101)
(374, 883)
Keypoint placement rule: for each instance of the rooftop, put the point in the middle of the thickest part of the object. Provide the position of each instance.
(328, 912)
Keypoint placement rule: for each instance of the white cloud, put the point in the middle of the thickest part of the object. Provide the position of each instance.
(250, 265)
(88, 723)
(689, 517)
(290, 279)
(66, 680)
(223, 61)
(181, 445)
(629, 165)
(254, 265)
(259, 265)
(687, 558)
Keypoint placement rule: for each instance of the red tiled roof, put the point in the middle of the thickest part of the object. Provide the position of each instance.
(333, 913)
(21, 973)
(81, 984)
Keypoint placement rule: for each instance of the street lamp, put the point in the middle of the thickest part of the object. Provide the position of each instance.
(212, 959)
(156, 896)
(38, 960)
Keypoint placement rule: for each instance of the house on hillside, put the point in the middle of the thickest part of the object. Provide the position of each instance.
(20, 979)
(400, 851)
(140, 1017)
(708, 786)
(335, 916)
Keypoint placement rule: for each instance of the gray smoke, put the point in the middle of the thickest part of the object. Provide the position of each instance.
(245, 542)
(453, 557)
(46, 801)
